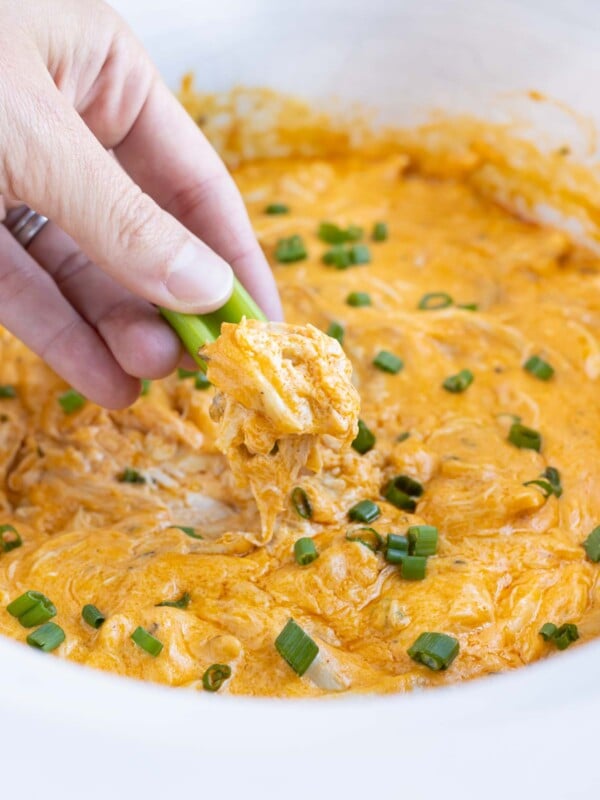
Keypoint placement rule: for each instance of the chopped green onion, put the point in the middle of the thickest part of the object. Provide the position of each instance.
(215, 676)
(388, 362)
(399, 498)
(423, 540)
(7, 391)
(296, 647)
(548, 482)
(202, 381)
(468, 306)
(47, 638)
(188, 531)
(338, 257)
(146, 641)
(408, 485)
(93, 616)
(459, 382)
(354, 233)
(301, 502)
(524, 437)
(305, 551)
(71, 401)
(402, 437)
(31, 609)
(290, 250)
(130, 475)
(396, 541)
(146, 384)
(380, 232)
(336, 331)
(364, 511)
(413, 568)
(333, 234)
(592, 545)
(183, 373)
(545, 486)
(10, 538)
(365, 439)
(432, 301)
(548, 631)
(562, 637)
(394, 556)
(277, 208)
(359, 254)
(359, 299)
(366, 536)
(181, 602)
(435, 650)
(539, 368)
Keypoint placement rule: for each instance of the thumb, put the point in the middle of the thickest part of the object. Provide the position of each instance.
(56, 165)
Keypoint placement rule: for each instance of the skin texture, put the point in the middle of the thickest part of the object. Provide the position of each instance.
(158, 220)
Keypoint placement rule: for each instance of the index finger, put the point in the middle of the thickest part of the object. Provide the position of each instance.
(169, 157)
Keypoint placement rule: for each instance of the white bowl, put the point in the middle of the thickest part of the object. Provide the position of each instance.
(72, 732)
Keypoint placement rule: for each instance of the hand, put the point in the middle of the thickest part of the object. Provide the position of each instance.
(160, 222)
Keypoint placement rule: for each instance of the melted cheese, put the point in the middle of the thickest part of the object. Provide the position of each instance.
(508, 559)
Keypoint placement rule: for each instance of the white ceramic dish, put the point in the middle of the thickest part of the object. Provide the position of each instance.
(69, 732)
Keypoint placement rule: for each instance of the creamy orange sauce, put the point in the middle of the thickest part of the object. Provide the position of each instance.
(508, 560)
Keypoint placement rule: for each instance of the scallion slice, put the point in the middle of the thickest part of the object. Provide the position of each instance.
(291, 249)
(359, 299)
(592, 545)
(366, 536)
(468, 306)
(32, 608)
(301, 502)
(336, 331)
(332, 234)
(71, 401)
(423, 540)
(402, 437)
(413, 568)
(459, 382)
(433, 301)
(561, 636)
(365, 439)
(146, 384)
(305, 551)
(380, 232)
(183, 373)
(10, 538)
(277, 208)
(130, 475)
(201, 382)
(388, 362)
(146, 641)
(539, 368)
(181, 602)
(359, 254)
(7, 391)
(215, 676)
(393, 556)
(399, 499)
(187, 530)
(548, 631)
(338, 257)
(296, 647)
(396, 541)
(435, 650)
(408, 485)
(524, 437)
(93, 616)
(47, 638)
(364, 511)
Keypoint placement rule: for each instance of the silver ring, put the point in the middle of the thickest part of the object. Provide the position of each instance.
(25, 224)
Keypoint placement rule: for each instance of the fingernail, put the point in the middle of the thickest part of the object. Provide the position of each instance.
(200, 278)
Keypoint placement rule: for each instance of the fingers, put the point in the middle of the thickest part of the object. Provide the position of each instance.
(59, 168)
(168, 157)
(139, 339)
(34, 310)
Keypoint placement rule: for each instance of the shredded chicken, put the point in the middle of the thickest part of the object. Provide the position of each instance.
(285, 391)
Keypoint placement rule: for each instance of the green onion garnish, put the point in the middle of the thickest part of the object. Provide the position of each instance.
(435, 650)
(592, 545)
(359, 254)
(432, 301)
(187, 530)
(380, 232)
(524, 437)
(146, 641)
(388, 362)
(358, 299)
(290, 250)
(367, 536)
(7, 391)
(31, 609)
(336, 331)
(548, 482)
(468, 306)
(459, 382)
(130, 475)
(202, 381)
(183, 373)
(423, 540)
(305, 551)
(296, 647)
(408, 485)
(146, 384)
(562, 637)
(10, 538)
(93, 616)
(46, 638)
(215, 676)
(181, 602)
(413, 568)
(71, 401)
(393, 556)
(396, 548)
(301, 502)
(277, 208)
(338, 257)
(333, 234)
(402, 437)
(539, 368)
(548, 631)
(365, 440)
(401, 490)
(364, 511)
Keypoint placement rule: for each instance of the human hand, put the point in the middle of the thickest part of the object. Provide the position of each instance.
(158, 223)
